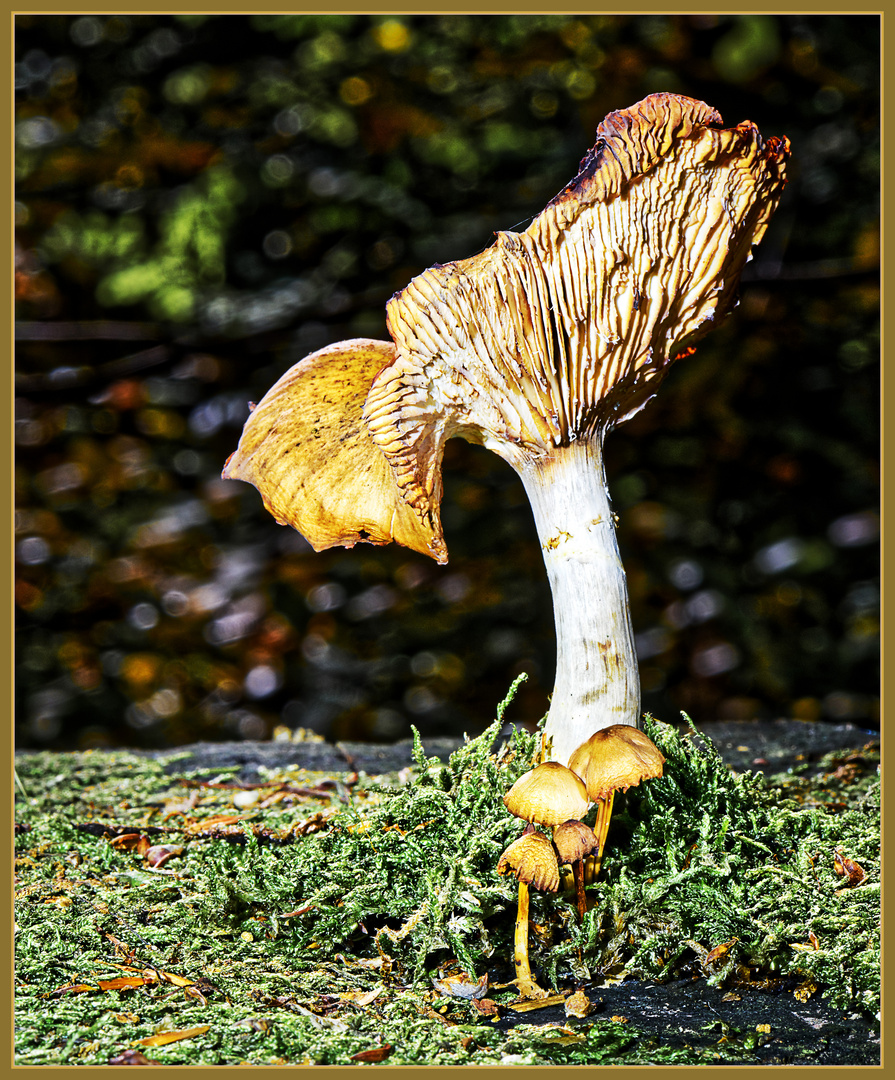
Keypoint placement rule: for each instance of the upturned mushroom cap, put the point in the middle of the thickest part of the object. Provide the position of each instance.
(574, 840)
(559, 333)
(616, 758)
(532, 859)
(307, 450)
(548, 795)
(550, 336)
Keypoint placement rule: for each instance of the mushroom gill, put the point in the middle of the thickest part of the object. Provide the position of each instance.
(540, 345)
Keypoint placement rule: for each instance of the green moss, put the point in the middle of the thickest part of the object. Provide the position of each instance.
(399, 880)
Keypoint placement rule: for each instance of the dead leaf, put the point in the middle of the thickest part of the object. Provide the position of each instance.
(486, 1006)
(719, 951)
(175, 980)
(131, 1057)
(378, 1053)
(197, 828)
(159, 854)
(579, 1004)
(459, 986)
(298, 911)
(121, 947)
(126, 982)
(432, 1014)
(254, 1023)
(73, 988)
(151, 974)
(365, 999)
(166, 1037)
(133, 841)
(844, 866)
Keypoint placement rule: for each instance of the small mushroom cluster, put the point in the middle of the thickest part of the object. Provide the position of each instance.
(557, 797)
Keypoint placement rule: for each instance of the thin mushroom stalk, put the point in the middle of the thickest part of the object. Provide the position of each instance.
(535, 348)
(574, 842)
(594, 862)
(525, 982)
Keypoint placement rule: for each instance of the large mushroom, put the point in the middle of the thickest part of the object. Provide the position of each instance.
(535, 348)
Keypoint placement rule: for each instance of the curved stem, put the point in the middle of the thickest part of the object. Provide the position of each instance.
(601, 828)
(597, 679)
(579, 887)
(528, 988)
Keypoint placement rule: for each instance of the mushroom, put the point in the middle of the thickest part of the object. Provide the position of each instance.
(535, 348)
(532, 860)
(613, 759)
(547, 795)
(574, 841)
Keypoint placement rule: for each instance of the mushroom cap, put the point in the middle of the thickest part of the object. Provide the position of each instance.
(307, 450)
(549, 794)
(574, 840)
(559, 333)
(616, 758)
(532, 859)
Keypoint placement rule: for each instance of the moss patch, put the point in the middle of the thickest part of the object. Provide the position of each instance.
(304, 920)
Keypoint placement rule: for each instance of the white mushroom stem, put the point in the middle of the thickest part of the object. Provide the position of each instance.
(597, 680)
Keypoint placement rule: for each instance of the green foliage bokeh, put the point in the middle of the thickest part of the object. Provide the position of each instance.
(203, 200)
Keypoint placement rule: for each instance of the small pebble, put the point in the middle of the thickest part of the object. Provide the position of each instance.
(244, 799)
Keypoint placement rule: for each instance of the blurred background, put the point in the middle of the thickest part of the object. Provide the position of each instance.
(203, 200)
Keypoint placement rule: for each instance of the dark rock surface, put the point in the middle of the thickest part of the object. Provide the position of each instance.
(767, 746)
(689, 1012)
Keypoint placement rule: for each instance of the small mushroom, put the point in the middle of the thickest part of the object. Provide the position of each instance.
(547, 795)
(613, 759)
(535, 348)
(574, 841)
(532, 859)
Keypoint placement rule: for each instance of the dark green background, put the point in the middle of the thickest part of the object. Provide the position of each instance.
(202, 200)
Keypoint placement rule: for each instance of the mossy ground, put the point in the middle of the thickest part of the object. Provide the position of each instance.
(304, 921)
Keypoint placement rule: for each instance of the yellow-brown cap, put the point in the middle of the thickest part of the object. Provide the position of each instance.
(531, 859)
(574, 840)
(307, 450)
(548, 795)
(616, 758)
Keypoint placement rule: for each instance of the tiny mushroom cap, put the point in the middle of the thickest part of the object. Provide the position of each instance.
(574, 841)
(532, 860)
(616, 758)
(548, 795)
